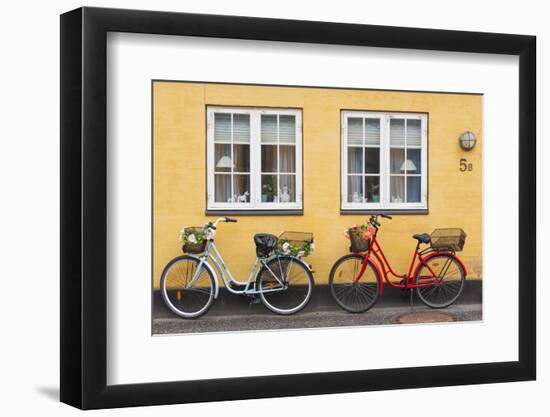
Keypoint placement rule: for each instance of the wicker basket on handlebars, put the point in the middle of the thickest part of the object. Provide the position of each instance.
(358, 242)
(195, 248)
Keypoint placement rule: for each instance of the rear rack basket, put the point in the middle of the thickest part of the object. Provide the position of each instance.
(295, 243)
(450, 239)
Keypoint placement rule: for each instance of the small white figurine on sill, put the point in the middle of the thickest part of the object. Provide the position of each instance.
(357, 198)
(285, 196)
(397, 199)
(243, 198)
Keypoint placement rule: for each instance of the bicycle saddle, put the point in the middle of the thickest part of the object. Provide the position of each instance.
(423, 237)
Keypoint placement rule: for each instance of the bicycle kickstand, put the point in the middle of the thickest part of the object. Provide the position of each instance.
(411, 295)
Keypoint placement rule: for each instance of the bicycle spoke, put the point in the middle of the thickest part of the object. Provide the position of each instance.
(447, 284)
(186, 289)
(351, 295)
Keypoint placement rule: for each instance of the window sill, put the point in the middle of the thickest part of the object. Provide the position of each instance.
(267, 212)
(385, 211)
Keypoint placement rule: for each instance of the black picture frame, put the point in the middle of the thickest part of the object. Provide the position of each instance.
(84, 207)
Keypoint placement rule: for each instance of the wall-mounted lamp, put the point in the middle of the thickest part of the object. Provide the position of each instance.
(467, 140)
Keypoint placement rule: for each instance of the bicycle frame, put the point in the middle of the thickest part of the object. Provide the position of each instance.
(211, 253)
(384, 269)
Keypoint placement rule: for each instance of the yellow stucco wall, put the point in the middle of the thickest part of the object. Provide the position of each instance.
(179, 144)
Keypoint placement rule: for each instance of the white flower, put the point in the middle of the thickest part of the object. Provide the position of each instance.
(191, 238)
(210, 233)
(301, 253)
(312, 246)
(285, 246)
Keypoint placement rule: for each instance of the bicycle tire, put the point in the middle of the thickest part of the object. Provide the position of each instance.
(270, 298)
(343, 294)
(430, 294)
(168, 298)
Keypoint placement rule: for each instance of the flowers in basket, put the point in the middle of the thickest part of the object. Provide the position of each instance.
(190, 235)
(299, 249)
(366, 231)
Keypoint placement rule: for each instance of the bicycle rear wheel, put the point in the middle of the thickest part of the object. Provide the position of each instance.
(443, 278)
(285, 284)
(187, 288)
(354, 297)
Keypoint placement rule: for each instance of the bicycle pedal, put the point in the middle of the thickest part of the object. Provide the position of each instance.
(255, 300)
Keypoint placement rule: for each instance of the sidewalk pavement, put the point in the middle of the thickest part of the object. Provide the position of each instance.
(236, 313)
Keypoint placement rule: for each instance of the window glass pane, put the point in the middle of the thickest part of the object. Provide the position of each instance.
(355, 131)
(269, 189)
(397, 189)
(372, 188)
(241, 158)
(287, 129)
(241, 188)
(372, 160)
(397, 132)
(397, 157)
(222, 185)
(241, 128)
(287, 158)
(222, 158)
(413, 161)
(269, 158)
(355, 160)
(222, 127)
(355, 189)
(413, 189)
(413, 132)
(372, 131)
(269, 128)
(287, 193)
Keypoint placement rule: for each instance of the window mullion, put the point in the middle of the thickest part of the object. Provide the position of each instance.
(231, 176)
(405, 154)
(386, 139)
(255, 158)
(278, 163)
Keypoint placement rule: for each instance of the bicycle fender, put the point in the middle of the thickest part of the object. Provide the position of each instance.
(452, 255)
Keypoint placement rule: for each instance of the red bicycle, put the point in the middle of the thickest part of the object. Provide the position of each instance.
(435, 272)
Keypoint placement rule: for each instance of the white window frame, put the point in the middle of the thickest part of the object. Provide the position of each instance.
(385, 203)
(255, 202)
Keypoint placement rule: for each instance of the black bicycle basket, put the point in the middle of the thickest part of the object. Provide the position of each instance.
(450, 239)
(265, 244)
(358, 242)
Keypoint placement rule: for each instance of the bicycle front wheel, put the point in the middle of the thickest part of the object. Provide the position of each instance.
(285, 284)
(352, 295)
(187, 287)
(441, 279)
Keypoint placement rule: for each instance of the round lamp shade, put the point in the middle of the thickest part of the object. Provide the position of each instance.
(467, 140)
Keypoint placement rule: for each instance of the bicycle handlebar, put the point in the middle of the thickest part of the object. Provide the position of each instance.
(221, 219)
(374, 219)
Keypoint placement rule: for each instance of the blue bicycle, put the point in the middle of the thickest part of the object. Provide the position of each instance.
(189, 283)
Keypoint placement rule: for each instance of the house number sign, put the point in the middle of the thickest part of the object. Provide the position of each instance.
(465, 165)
